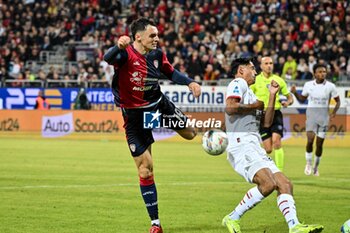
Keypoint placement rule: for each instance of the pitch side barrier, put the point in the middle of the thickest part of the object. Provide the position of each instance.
(210, 105)
(108, 125)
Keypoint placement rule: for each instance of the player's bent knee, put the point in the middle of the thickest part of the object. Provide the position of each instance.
(145, 173)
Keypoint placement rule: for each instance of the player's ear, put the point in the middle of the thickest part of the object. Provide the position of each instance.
(240, 70)
(138, 37)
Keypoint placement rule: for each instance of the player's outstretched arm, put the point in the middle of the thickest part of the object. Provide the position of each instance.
(299, 97)
(182, 79)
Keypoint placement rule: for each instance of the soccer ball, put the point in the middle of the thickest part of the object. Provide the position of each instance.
(346, 227)
(214, 141)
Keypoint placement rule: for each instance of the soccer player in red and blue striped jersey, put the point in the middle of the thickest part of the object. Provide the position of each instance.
(138, 67)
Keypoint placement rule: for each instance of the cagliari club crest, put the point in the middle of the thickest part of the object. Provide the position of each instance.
(156, 63)
(132, 147)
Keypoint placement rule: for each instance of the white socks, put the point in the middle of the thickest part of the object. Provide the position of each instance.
(308, 157)
(317, 161)
(155, 222)
(250, 199)
(286, 205)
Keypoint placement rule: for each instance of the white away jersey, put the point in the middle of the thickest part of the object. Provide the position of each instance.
(319, 96)
(241, 123)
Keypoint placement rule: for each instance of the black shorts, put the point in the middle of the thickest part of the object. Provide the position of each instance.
(137, 123)
(276, 127)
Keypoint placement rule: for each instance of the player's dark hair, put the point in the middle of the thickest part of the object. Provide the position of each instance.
(140, 25)
(318, 65)
(238, 62)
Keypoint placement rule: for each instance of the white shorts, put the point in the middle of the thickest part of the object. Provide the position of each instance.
(247, 157)
(313, 126)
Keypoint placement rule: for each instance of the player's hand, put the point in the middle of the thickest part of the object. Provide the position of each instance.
(123, 42)
(195, 88)
(274, 87)
(293, 89)
(285, 104)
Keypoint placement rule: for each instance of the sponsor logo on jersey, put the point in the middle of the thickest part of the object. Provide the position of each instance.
(236, 90)
(147, 88)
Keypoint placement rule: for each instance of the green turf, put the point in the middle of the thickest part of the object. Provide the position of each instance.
(51, 185)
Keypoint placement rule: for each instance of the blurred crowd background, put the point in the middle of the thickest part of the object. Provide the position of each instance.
(60, 43)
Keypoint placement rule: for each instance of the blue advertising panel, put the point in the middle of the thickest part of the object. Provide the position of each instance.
(59, 98)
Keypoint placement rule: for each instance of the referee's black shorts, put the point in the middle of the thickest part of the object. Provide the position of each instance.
(276, 127)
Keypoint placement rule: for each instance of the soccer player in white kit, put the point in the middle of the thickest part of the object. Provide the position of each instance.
(247, 156)
(318, 92)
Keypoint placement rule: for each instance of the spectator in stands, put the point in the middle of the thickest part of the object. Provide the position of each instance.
(82, 102)
(289, 68)
(342, 63)
(211, 74)
(29, 75)
(47, 44)
(311, 62)
(292, 26)
(196, 70)
(303, 70)
(41, 102)
(41, 76)
(346, 45)
(278, 67)
(15, 68)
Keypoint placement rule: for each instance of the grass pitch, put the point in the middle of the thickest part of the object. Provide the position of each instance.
(73, 186)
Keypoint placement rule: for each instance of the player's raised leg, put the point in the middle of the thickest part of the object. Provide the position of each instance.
(144, 164)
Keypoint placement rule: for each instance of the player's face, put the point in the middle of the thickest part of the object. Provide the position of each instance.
(267, 65)
(320, 74)
(249, 73)
(149, 38)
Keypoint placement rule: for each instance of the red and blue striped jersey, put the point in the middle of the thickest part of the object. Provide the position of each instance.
(137, 75)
